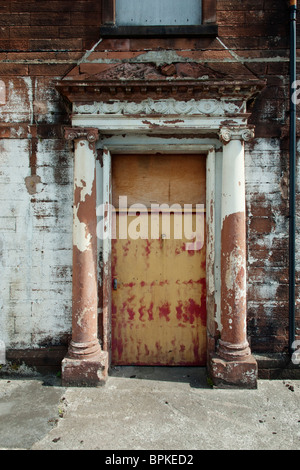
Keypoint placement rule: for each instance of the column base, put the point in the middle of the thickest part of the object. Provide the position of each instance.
(234, 373)
(91, 372)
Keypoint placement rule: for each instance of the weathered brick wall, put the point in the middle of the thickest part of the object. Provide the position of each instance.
(41, 41)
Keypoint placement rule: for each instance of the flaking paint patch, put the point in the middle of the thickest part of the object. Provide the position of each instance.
(233, 188)
(31, 183)
(2, 92)
(84, 175)
(233, 273)
(84, 170)
(81, 238)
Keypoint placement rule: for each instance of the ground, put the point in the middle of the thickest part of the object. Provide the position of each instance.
(148, 408)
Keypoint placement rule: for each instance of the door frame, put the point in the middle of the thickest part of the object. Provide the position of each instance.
(216, 128)
(104, 179)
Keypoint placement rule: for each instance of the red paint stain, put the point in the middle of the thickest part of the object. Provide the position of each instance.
(142, 312)
(179, 310)
(126, 248)
(164, 311)
(193, 311)
(126, 307)
(182, 348)
(196, 350)
(143, 283)
(131, 313)
(122, 309)
(117, 346)
(147, 352)
(190, 252)
(150, 312)
(147, 248)
(190, 311)
(130, 284)
(138, 346)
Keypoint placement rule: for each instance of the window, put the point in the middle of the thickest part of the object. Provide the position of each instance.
(158, 18)
(157, 12)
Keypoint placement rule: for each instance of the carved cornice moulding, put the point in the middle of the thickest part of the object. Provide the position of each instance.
(83, 92)
(211, 107)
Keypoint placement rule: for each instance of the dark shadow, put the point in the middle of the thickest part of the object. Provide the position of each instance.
(196, 377)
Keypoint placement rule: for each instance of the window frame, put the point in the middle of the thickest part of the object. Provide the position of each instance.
(207, 28)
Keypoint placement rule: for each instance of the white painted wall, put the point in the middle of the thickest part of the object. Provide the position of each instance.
(36, 229)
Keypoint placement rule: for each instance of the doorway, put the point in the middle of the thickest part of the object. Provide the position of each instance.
(159, 260)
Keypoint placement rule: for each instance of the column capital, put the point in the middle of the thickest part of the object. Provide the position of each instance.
(90, 134)
(227, 134)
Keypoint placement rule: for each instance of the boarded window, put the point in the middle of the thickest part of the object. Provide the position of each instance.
(158, 12)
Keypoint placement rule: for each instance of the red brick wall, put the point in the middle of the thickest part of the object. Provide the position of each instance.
(42, 40)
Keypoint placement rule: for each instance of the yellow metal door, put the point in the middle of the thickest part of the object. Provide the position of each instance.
(159, 285)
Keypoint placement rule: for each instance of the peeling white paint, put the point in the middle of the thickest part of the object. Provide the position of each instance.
(81, 238)
(84, 175)
(106, 185)
(84, 169)
(233, 179)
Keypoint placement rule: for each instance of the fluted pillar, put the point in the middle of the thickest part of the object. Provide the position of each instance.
(85, 363)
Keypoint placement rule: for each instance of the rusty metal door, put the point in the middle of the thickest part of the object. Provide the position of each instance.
(158, 283)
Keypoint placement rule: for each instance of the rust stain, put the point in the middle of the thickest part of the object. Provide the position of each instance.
(151, 125)
(233, 257)
(174, 121)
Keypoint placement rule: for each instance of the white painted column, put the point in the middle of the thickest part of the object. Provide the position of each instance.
(85, 363)
(234, 363)
(233, 342)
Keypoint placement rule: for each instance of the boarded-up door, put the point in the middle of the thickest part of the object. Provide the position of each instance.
(158, 273)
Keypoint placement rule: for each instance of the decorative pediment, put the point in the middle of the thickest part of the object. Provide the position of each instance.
(137, 90)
